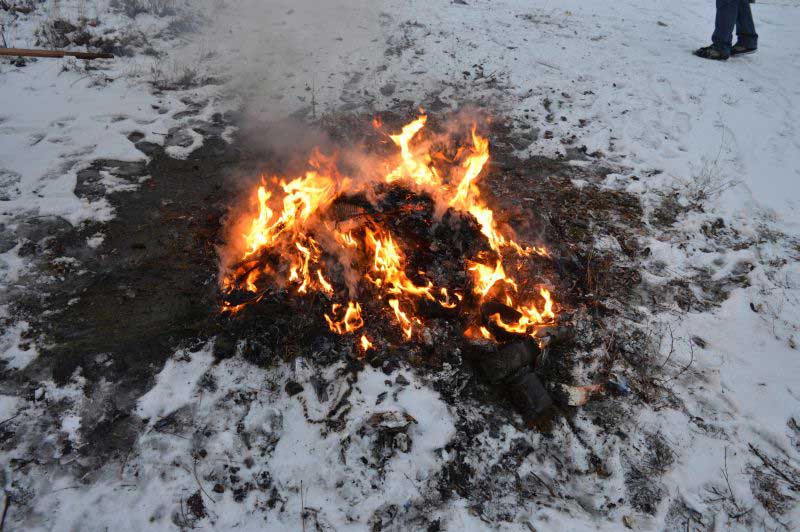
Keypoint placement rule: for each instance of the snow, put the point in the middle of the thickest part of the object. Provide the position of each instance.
(621, 76)
(65, 115)
(175, 385)
(303, 454)
(8, 406)
(95, 240)
(14, 351)
(59, 134)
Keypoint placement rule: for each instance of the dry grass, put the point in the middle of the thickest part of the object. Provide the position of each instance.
(152, 7)
(175, 76)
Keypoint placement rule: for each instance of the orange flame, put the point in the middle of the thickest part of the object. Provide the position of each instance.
(388, 262)
(351, 318)
(293, 224)
(366, 345)
(418, 168)
(406, 323)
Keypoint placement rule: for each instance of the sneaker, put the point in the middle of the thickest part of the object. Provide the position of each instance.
(740, 49)
(711, 52)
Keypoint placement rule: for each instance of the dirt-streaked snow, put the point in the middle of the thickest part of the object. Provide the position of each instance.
(617, 75)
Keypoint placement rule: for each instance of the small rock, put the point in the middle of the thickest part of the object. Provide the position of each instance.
(218, 488)
(401, 381)
(293, 388)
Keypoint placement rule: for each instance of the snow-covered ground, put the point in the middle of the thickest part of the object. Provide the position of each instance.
(715, 140)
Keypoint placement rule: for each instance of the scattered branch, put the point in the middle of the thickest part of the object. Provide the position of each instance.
(728, 482)
(10, 419)
(790, 476)
(302, 507)
(6, 504)
(197, 479)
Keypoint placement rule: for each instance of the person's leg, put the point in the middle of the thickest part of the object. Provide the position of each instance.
(727, 13)
(745, 27)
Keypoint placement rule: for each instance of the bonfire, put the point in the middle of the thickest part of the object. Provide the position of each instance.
(409, 239)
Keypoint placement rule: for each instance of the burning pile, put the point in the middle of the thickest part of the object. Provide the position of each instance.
(391, 251)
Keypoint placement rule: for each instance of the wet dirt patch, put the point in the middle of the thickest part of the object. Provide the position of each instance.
(110, 302)
(114, 312)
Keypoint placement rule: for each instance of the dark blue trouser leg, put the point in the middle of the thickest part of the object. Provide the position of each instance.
(732, 13)
(745, 27)
(727, 14)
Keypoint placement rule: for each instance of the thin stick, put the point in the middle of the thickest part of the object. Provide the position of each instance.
(197, 479)
(9, 419)
(545, 484)
(5, 511)
(728, 482)
(27, 52)
(302, 507)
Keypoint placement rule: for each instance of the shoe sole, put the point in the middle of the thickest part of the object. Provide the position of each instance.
(712, 58)
(698, 53)
(748, 52)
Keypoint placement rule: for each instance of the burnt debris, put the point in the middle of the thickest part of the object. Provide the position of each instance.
(442, 249)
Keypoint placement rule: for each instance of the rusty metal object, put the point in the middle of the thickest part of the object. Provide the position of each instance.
(27, 52)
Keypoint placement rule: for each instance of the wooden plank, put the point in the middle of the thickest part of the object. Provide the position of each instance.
(26, 52)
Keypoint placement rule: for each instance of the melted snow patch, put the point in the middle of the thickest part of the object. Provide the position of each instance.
(14, 351)
(331, 466)
(176, 384)
(95, 240)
